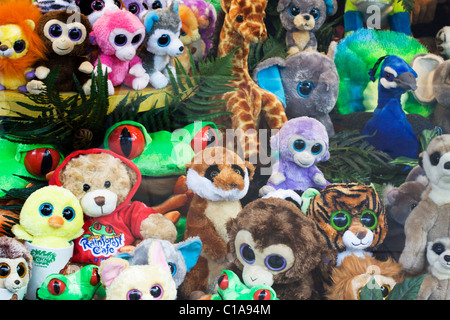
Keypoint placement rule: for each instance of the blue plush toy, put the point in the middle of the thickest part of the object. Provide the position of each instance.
(388, 128)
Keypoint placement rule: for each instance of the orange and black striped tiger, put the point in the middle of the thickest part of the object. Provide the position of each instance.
(351, 216)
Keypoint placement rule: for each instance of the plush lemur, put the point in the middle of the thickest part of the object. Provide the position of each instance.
(162, 42)
(118, 35)
(219, 179)
(66, 36)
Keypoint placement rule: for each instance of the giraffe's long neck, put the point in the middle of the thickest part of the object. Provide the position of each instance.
(229, 40)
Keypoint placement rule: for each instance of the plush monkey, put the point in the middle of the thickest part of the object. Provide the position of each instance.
(66, 35)
(219, 179)
(274, 243)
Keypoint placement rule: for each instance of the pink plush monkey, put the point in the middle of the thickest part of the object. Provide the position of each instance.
(118, 35)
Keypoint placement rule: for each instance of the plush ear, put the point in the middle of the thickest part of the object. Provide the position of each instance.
(30, 23)
(282, 4)
(111, 268)
(156, 255)
(174, 6)
(268, 76)
(150, 20)
(275, 142)
(390, 193)
(190, 249)
(225, 4)
(425, 66)
(92, 38)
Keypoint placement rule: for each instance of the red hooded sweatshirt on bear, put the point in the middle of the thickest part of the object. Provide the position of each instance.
(104, 236)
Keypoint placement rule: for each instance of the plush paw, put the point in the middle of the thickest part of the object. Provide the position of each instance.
(87, 87)
(105, 69)
(42, 72)
(157, 226)
(137, 70)
(158, 80)
(319, 179)
(35, 86)
(276, 178)
(86, 67)
(141, 82)
(265, 190)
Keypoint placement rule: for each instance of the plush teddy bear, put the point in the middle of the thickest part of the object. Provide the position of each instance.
(301, 19)
(118, 35)
(302, 143)
(433, 86)
(219, 179)
(307, 83)
(105, 184)
(430, 219)
(163, 28)
(274, 244)
(435, 285)
(151, 281)
(399, 202)
(15, 262)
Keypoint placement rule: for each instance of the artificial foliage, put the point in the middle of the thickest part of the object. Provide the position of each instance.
(406, 290)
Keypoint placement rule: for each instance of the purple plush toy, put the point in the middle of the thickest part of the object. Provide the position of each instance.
(301, 142)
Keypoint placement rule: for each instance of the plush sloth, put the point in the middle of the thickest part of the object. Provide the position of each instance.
(354, 273)
(273, 243)
(219, 179)
(66, 37)
(351, 216)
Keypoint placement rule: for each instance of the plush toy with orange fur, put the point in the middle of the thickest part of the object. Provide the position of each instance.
(189, 34)
(20, 45)
(355, 272)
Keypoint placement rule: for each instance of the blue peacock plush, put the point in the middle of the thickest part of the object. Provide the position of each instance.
(388, 128)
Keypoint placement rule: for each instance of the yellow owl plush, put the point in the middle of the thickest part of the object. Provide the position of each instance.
(51, 217)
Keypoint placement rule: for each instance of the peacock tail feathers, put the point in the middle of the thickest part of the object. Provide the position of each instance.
(356, 54)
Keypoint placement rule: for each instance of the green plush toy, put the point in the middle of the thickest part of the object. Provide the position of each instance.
(231, 288)
(81, 285)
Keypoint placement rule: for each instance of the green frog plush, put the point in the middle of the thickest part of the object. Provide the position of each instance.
(230, 287)
(81, 285)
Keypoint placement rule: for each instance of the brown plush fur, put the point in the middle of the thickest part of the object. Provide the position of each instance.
(352, 266)
(12, 249)
(68, 64)
(207, 215)
(277, 221)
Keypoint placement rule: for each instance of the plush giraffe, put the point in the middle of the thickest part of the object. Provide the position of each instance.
(243, 24)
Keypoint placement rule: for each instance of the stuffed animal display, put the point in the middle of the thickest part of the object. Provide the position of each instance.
(302, 142)
(21, 47)
(302, 19)
(351, 216)
(15, 262)
(51, 217)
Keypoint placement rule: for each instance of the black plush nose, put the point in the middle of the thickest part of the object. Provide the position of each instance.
(18, 282)
(447, 258)
(3, 48)
(181, 49)
(306, 16)
(100, 201)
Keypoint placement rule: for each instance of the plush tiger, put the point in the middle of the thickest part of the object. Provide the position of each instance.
(351, 216)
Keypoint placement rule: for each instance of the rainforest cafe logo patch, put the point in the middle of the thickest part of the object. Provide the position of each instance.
(43, 258)
(102, 240)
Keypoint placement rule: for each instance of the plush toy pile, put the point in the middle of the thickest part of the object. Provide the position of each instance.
(250, 204)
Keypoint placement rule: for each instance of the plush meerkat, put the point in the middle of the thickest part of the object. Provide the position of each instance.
(219, 179)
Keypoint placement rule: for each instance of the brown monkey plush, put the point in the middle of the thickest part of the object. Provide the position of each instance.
(66, 36)
(273, 243)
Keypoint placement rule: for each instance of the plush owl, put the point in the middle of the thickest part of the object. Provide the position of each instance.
(50, 217)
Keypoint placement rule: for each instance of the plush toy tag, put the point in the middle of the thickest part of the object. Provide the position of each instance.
(270, 79)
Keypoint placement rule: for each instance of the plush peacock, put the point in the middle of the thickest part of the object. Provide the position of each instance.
(356, 54)
(388, 129)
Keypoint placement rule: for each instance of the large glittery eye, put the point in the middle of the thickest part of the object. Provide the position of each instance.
(75, 34)
(247, 253)
(134, 294)
(68, 213)
(369, 219)
(294, 11)
(156, 291)
(19, 46)
(97, 5)
(275, 262)
(120, 40)
(46, 209)
(55, 30)
(164, 40)
(315, 13)
(305, 88)
(340, 220)
(156, 5)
